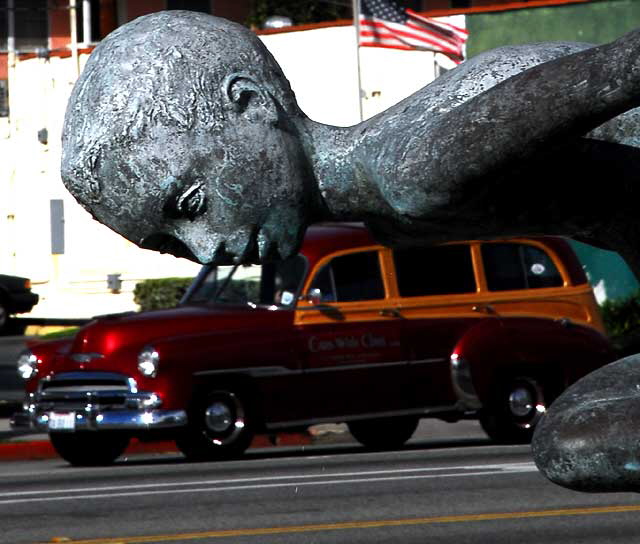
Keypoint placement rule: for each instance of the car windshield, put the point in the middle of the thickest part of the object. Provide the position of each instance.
(276, 283)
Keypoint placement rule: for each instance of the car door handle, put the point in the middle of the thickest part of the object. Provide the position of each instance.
(484, 308)
(390, 312)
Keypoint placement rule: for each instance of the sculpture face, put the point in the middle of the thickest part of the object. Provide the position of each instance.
(194, 194)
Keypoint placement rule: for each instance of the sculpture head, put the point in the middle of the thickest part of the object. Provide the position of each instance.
(191, 146)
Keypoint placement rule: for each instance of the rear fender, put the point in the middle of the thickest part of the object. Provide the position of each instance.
(555, 351)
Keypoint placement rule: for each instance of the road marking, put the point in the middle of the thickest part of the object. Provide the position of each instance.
(247, 487)
(470, 469)
(373, 524)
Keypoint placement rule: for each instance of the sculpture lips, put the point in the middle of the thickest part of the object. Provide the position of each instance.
(588, 440)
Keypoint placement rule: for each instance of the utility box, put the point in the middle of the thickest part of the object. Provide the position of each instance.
(114, 283)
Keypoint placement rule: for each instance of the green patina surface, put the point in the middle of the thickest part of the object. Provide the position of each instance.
(597, 22)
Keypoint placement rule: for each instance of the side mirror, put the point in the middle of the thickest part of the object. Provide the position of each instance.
(314, 296)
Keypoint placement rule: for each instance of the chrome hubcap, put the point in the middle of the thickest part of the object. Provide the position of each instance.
(218, 417)
(224, 418)
(521, 402)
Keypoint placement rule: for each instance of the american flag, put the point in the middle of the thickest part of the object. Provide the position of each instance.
(383, 23)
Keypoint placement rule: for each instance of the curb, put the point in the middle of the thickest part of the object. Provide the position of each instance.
(36, 450)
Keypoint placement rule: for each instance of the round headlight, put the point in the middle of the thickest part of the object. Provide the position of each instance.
(148, 360)
(27, 365)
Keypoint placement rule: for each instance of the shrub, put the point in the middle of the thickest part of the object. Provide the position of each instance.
(622, 317)
(160, 293)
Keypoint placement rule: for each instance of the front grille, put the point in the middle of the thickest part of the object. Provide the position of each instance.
(76, 390)
(76, 381)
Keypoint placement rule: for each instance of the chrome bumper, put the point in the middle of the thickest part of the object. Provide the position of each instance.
(95, 420)
(94, 401)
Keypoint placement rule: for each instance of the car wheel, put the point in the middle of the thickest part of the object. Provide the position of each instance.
(514, 410)
(89, 448)
(221, 426)
(383, 433)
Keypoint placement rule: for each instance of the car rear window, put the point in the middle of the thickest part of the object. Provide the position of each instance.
(438, 270)
(510, 266)
(350, 277)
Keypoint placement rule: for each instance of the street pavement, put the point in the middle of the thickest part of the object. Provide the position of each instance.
(321, 494)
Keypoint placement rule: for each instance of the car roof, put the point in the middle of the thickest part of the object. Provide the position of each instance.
(324, 238)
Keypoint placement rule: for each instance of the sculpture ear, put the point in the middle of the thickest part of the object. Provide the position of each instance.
(249, 98)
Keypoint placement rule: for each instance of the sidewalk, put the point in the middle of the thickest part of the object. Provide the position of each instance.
(26, 445)
(29, 445)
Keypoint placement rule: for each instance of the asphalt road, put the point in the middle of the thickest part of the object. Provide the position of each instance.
(437, 490)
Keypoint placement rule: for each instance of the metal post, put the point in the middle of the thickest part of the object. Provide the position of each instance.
(74, 35)
(356, 23)
(11, 32)
(86, 22)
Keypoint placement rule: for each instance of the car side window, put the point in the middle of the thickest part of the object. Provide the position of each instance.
(510, 266)
(438, 270)
(351, 277)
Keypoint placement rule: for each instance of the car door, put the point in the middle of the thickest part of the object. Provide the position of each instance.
(355, 364)
(438, 299)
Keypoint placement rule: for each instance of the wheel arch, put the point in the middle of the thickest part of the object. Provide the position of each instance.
(493, 355)
(233, 380)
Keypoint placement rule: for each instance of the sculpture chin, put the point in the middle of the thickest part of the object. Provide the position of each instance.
(165, 243)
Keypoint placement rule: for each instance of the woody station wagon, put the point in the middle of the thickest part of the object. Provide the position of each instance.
(346, 331)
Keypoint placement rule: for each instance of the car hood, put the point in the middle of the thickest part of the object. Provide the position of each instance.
(108, 334)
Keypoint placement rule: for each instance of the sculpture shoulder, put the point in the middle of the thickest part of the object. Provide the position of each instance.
(480, 73)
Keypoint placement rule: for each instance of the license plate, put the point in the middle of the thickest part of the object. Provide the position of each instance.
(62, 422)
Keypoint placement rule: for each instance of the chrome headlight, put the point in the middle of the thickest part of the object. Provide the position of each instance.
(148, 360)
(27, 365)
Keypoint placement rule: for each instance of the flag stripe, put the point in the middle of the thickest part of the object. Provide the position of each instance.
(415, 36)
(439, 38)
(456, 29)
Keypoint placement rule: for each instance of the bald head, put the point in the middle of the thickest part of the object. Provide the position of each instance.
(147, 127)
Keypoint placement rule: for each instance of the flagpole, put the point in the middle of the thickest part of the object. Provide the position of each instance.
(356, 23)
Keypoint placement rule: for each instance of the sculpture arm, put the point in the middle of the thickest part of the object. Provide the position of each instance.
(452, 156)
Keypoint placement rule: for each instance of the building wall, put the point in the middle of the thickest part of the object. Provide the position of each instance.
(594, 22)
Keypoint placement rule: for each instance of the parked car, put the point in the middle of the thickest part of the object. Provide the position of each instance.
(346, 331)
(15, 297)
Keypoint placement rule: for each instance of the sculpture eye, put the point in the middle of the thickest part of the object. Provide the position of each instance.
(188, 203)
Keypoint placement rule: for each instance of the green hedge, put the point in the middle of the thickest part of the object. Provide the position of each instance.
(160, 293)
(622, 317)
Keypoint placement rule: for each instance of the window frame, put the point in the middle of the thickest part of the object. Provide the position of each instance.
(557, 262)
(383, 267)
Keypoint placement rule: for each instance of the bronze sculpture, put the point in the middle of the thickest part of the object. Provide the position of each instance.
(183, 135)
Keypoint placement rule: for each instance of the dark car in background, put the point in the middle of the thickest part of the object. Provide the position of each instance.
(16, 297)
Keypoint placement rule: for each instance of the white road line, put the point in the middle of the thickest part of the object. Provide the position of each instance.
(509, 467)
(222, 488)
(254, 487)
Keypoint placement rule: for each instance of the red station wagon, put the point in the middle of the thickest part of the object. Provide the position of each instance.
(346, 331)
